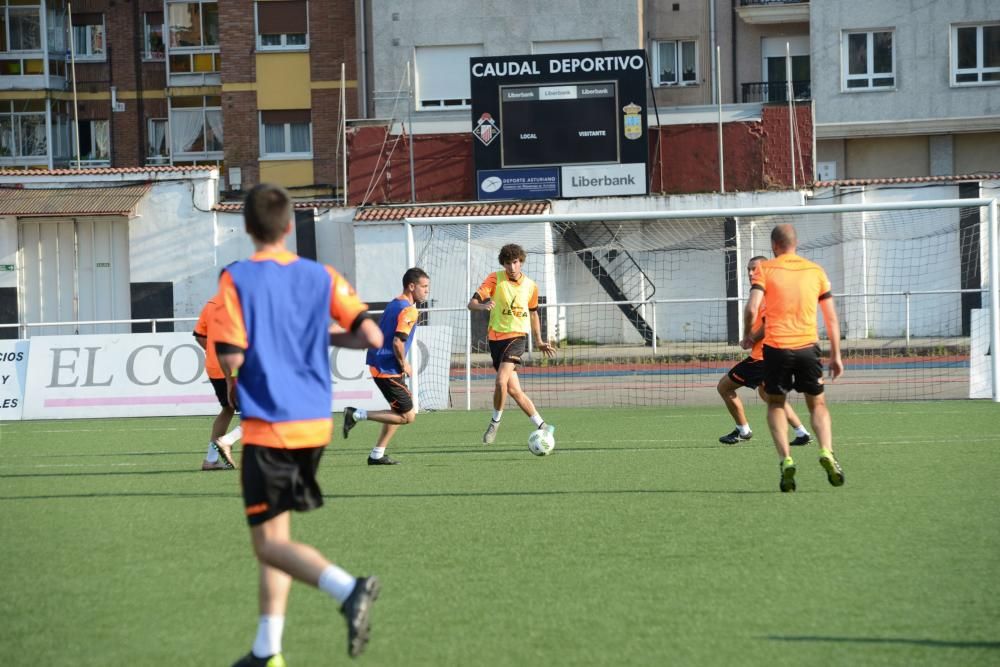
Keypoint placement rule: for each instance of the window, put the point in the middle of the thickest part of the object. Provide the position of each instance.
(157, 151)
(22, 129)
(88, 36)
(22, 27)
(869, 60)
(975, 54)
(193, 24)
(153, 47)
(285, 134)
(282, 24)
(195, 125)
(676, 63)
(442, 76)
(95, 141)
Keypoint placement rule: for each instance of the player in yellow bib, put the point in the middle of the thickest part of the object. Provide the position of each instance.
(511, 298)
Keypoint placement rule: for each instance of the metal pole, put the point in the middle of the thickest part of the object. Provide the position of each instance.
(907, 298)
(718, 84)
(994, 298)
(468, 317)
(72, 60)
(653, 318)
(343, 121)
(409, 122)
(791, 108)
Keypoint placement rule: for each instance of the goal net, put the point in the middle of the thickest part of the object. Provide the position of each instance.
(648, 312)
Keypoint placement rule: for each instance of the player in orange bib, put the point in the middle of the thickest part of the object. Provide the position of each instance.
(511, 298)
(750, 373)
(793, 288)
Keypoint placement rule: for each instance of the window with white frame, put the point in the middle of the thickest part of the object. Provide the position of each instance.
(95, 141)
(195, 125)
(975, 54)
(88, 36)
(442, 76)
(286, 134)
(675, 63)
(193, 24)
(869, 60)
(152, 40)
(22, 129)
(282, 25)
(157, 148)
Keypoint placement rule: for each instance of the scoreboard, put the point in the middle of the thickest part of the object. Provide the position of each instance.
(560, 125)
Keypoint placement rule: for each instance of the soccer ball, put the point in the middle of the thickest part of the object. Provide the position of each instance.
(541, 442)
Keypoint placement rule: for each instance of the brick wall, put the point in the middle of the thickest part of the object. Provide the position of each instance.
(242, 139)
(757, 157)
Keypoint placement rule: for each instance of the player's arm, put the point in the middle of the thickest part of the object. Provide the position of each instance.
(202, 341)
(750, 316)
(399, 349)
(229, 332)
(482, 298)
(363, 333)
(833, 333)
(547, 348)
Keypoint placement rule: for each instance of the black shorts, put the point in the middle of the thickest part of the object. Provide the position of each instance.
(748, 373)
(800, 369)
(509, 349)
(221, 391)
(396, 393)
(278, 480)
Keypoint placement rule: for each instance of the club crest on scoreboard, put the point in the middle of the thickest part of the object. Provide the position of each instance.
(486, 129)
(632, 121)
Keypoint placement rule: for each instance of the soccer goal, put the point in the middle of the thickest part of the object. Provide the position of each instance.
(646, 307)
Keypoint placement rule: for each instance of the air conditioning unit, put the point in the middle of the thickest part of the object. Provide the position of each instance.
(118, 107)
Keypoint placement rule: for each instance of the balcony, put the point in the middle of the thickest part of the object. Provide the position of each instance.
(766, 12)
(774, 91)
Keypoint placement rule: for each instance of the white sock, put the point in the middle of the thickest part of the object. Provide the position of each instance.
(336, 582)
(743, 428)
(268, 641)
(801, 430)
(230, 438)
(497, 414)
(537, 420)
(377, 453)
(361, 414)
(211, 456)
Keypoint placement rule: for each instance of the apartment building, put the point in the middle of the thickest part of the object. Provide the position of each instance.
(252, 87)
(906, 87)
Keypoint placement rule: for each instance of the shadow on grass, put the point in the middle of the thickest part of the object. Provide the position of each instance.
(366, 496)
(934, 643)
(114, 473)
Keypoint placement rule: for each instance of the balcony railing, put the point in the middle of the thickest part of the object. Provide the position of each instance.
(775, 91)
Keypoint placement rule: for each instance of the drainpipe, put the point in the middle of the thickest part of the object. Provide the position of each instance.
(713, 40)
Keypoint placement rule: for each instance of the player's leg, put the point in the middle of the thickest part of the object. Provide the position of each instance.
(503, 368)
(219, 426)
(777, 382)
(523, 400)
(402, 411)
(802, 436)
(822, 425)
(727, 390)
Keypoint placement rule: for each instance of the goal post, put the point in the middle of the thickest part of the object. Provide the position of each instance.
(646, 306)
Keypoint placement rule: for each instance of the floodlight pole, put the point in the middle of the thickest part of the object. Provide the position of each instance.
(409, 121)
(72, 60)
(718, 87)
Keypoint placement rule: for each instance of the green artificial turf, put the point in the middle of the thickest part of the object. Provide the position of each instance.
(640, 541)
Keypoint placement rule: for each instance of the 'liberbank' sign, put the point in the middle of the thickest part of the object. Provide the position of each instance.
(604, 180)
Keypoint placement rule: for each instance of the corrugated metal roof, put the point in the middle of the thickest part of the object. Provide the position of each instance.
(25, 202)
(104, 170)
(382, 213)
(847, 182)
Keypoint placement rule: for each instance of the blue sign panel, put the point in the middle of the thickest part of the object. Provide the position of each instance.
(539, 183)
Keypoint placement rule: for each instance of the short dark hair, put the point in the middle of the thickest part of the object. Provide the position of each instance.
(784, 237)
(267, 210)
(756, 258)
(413, 275)
(510, 252)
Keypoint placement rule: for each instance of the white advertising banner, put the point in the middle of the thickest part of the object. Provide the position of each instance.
(13, 373)
(980, 359)
(163, 374)
(604, 180)
(126, 375)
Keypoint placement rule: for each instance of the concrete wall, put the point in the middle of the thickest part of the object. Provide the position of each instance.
(922, 38)
(398, 26)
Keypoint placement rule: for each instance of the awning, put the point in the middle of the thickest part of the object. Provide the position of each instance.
(29, 202)
(392, 213)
